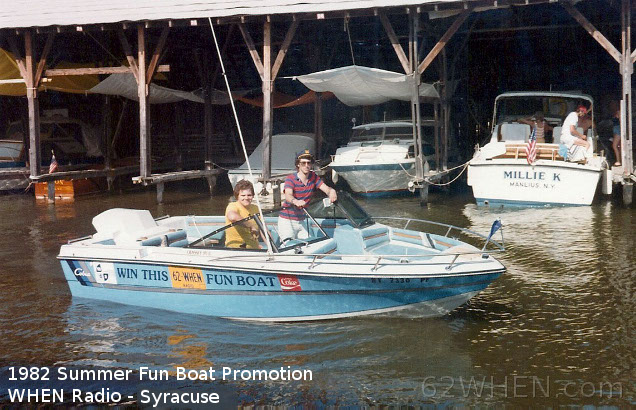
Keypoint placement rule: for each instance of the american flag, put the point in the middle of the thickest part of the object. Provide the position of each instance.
(531, 147)
(53, 165)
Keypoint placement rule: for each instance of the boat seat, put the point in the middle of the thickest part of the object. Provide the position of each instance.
(327, 247)
(171, 238)
(358, 241)
(556, 135)
(404, 235)
(515, 132)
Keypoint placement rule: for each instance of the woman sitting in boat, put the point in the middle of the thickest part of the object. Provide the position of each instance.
(246, 233)
(299, 188)
(538, 123)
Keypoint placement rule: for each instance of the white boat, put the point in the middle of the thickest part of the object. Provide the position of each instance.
(378, 159)
(285, 149)
(500, 173)
(351, 265)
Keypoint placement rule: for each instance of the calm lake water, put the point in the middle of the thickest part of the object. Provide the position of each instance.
(557, 329)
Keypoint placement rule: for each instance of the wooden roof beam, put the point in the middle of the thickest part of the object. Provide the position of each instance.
(445, 38)
(45, 54)
(56, 72)
(589, 27)
(395, 43)
(284, 48)
(252, 49)
(19, 60)
(129, 55)
(154, 61)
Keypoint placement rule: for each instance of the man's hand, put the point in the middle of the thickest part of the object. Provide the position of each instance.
(333, 196)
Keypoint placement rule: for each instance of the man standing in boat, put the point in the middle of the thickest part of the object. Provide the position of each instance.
(298, 191)
(571, 137)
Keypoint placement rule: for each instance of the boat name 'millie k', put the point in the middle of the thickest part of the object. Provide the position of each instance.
(536, 175)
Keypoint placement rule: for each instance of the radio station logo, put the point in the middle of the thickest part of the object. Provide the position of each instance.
(289, 283)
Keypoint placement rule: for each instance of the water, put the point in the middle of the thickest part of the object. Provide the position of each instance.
(556, 330)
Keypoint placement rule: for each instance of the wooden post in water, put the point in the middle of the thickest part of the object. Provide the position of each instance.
(627, 68)
(268, 111)
(145, 152)
(33, 104)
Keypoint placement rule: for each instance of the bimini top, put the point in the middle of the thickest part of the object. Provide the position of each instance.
(553, 94)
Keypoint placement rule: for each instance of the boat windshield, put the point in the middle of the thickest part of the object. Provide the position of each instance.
(555, 109)
(367, 134)
(345, 208)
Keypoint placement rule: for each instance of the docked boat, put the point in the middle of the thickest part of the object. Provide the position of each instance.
(76, 146)
(350, 265)
(501, 173)
(379, 158)
(285, 149)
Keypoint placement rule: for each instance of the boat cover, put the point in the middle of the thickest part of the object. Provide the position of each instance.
(357, 85)
(285, 149)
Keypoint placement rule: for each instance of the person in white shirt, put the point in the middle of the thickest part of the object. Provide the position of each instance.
(570, 136)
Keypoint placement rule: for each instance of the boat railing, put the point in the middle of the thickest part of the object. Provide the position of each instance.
(314, 259)
(449, 228)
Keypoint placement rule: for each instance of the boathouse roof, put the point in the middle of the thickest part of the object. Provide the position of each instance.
(26, 13)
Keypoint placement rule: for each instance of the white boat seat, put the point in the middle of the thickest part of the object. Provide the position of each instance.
(358, 241)
(515, 132)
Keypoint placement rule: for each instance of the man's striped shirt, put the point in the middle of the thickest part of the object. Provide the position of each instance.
(301, 191)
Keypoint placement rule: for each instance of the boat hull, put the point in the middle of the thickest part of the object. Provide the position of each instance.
(260, 296)
(515, 182)
(373, 179)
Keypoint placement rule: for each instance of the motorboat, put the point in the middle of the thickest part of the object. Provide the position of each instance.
(501, 173)
(350, 265)
(379, 158)
(76, 146)
(285, 149)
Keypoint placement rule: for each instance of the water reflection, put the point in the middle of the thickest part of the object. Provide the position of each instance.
(564, 311)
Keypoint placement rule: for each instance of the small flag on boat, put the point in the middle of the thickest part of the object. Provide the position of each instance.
(53, 165)
(531, 147)
(496, 225)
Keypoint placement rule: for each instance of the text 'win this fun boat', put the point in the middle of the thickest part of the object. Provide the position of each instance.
(350, 265)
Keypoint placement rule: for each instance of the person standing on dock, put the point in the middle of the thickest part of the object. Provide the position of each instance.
(298, 191)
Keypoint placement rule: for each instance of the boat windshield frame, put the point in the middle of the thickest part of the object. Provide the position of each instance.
(345, 208)
(349, 208)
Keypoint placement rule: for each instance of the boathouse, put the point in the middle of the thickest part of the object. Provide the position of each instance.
(137, 46)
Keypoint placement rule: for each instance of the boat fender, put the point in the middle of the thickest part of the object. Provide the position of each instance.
(334, 176)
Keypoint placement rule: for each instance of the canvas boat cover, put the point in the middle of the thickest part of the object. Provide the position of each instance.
(356, 85)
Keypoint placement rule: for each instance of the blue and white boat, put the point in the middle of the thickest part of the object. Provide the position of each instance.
(350, 265)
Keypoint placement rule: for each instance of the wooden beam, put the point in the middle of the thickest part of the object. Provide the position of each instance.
(445, 38)
(154, 61)
(129, 55)
(395, 43)
(35, 150)
(45, 54)
(55, 72)
(252, 49)
(589, 27)
(145, 152)
(18, 57)
(268, 111)
(284, 47)
(633, 56)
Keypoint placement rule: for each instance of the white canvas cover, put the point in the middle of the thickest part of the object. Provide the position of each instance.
(125, 85)
(285, 149)
(357, 85)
